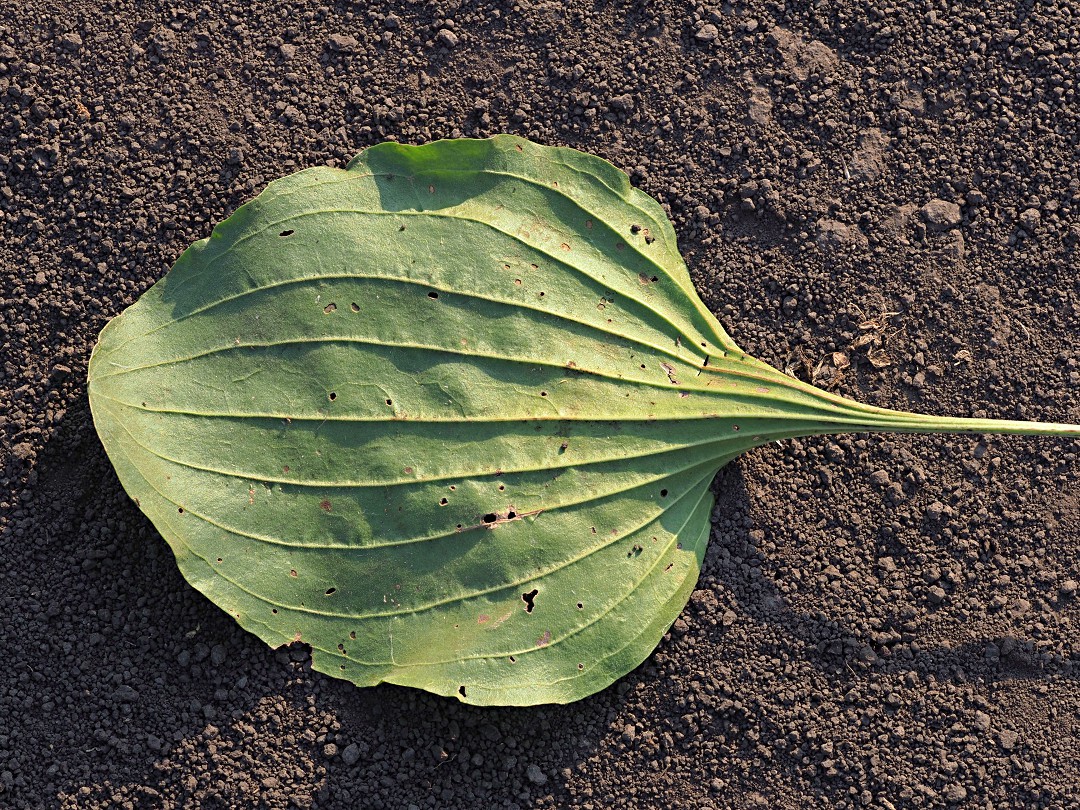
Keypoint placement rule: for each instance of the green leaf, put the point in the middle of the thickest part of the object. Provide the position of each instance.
(449, 416)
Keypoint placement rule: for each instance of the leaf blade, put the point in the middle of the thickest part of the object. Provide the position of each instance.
(232, 396)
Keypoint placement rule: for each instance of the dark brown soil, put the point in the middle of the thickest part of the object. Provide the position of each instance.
(887, 201)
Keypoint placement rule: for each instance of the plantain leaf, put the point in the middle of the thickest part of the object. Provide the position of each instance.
(449, 416)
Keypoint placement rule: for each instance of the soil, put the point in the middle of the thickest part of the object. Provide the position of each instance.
(885, 200)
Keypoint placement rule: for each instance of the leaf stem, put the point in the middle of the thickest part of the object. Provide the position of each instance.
(884, 420)
(837, 414)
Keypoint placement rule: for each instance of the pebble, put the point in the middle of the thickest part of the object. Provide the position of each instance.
(1008, 739)
(707, 33)
(955, 793)
(350, 755)
(941, 215)
(535, 775)
(342, 43)
(1030, 219)
(71, 42)
(447, 37)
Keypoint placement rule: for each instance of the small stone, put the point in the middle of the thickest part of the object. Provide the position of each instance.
(937, 594)
(535, 775)
(330, 750)
(1019, 607)
(1008, 739)
(1069, 588)
(287, 51)
(162, 42)
(71, 42)
(941, 215)
(447, 37)
(391, 22)
(956, 246)
(707, 33)
(351, 754)
(629, 732)
(1029, 219)
(218, 655)
(125, 694)
(836, 236)
(955, 793)
(982, 721)
(342, 43)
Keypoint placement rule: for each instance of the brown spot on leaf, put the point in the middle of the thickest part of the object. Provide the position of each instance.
(483, 618)
(545, 639)
(325, 505)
